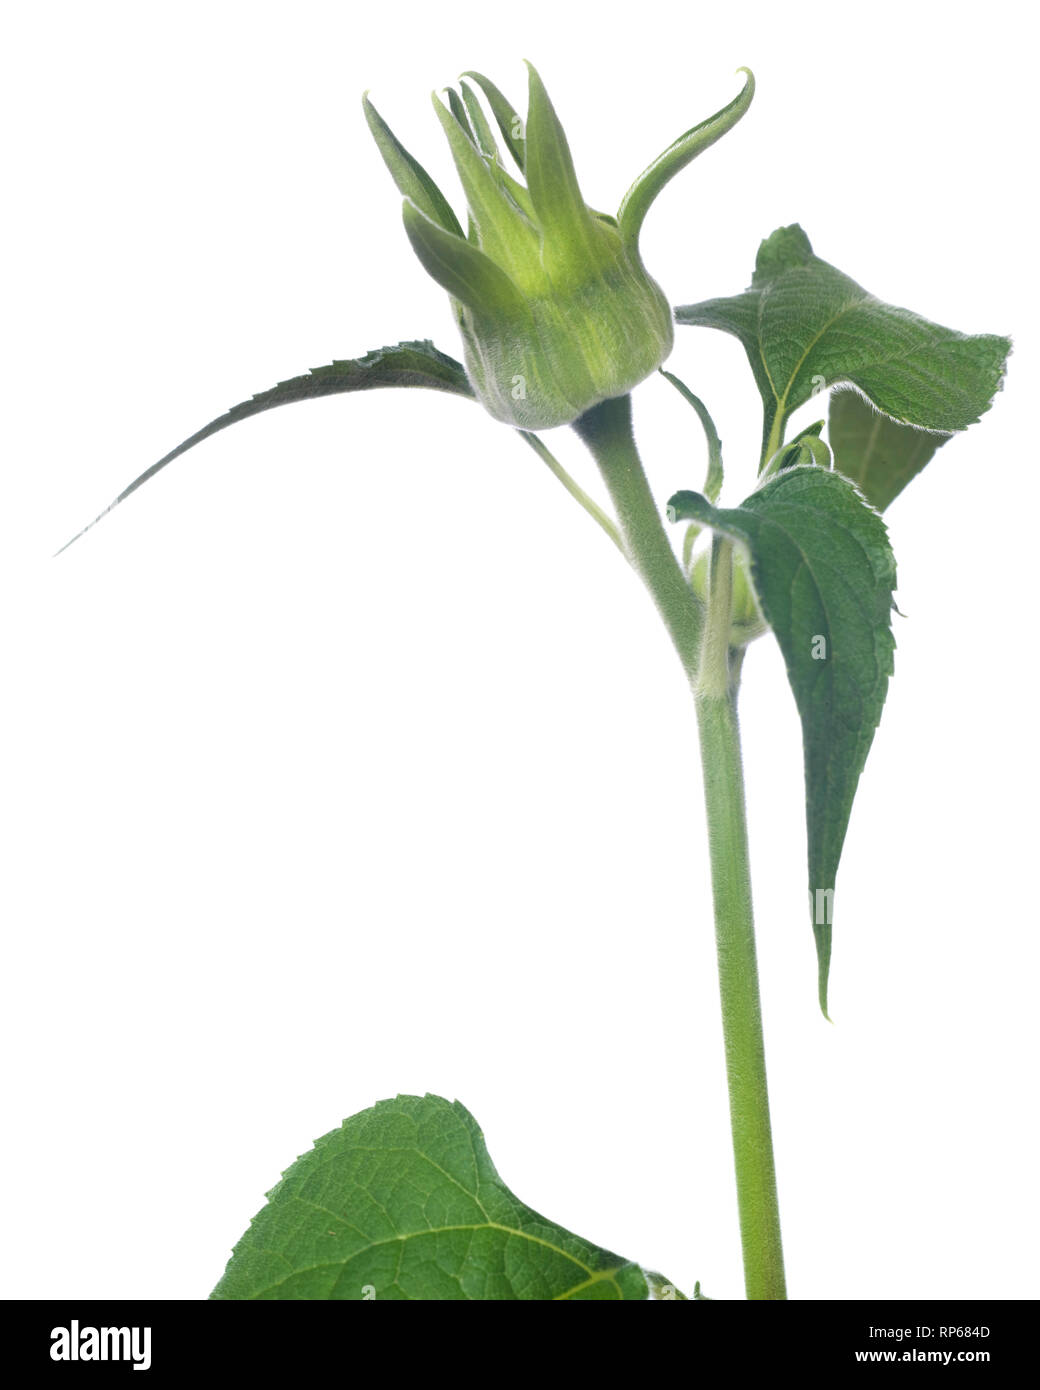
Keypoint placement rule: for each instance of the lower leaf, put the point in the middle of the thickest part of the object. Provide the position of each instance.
(878, 454)
(402, 1202)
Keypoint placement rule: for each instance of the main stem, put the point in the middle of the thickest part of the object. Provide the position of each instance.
(702, 642)
(716, 696)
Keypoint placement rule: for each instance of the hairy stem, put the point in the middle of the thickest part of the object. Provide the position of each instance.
(703, 646)
(607, 430)
(735, 943)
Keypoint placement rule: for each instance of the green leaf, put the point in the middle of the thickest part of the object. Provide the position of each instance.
(806, 327)
(824, 574)
(878, 454)
(402, 1202)
(416, 363)
(637, 201)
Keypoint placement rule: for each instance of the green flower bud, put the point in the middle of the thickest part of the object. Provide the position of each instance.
(555, 307)
(746, 621)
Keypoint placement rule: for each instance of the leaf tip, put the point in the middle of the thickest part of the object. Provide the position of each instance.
(824, 973)
(750, 84)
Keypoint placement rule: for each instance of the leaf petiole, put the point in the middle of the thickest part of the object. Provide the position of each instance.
(575, 489)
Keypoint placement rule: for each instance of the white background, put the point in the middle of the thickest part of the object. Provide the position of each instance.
(348, 759)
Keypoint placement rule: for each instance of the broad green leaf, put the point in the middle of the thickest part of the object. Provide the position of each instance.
(403, 1203)
(807, 327)
(878, 454)
(405, 364)
(824, 574)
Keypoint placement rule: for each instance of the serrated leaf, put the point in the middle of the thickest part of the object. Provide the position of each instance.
(403, 1203)
(824, 574)
(806, 326)
(879, 455)
(416, 363)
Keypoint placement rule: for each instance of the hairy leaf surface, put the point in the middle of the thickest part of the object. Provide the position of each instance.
(807, 327)
(878, 454)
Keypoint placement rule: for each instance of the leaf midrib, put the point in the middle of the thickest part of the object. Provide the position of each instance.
(781, 401)
(827, 670)
(595, 1276)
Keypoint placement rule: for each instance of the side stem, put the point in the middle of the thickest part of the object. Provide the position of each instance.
(702, 642)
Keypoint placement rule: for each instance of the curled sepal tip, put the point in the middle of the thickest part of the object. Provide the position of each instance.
(636, 202)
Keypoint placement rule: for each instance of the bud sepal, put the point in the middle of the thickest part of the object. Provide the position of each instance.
(555, 307)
